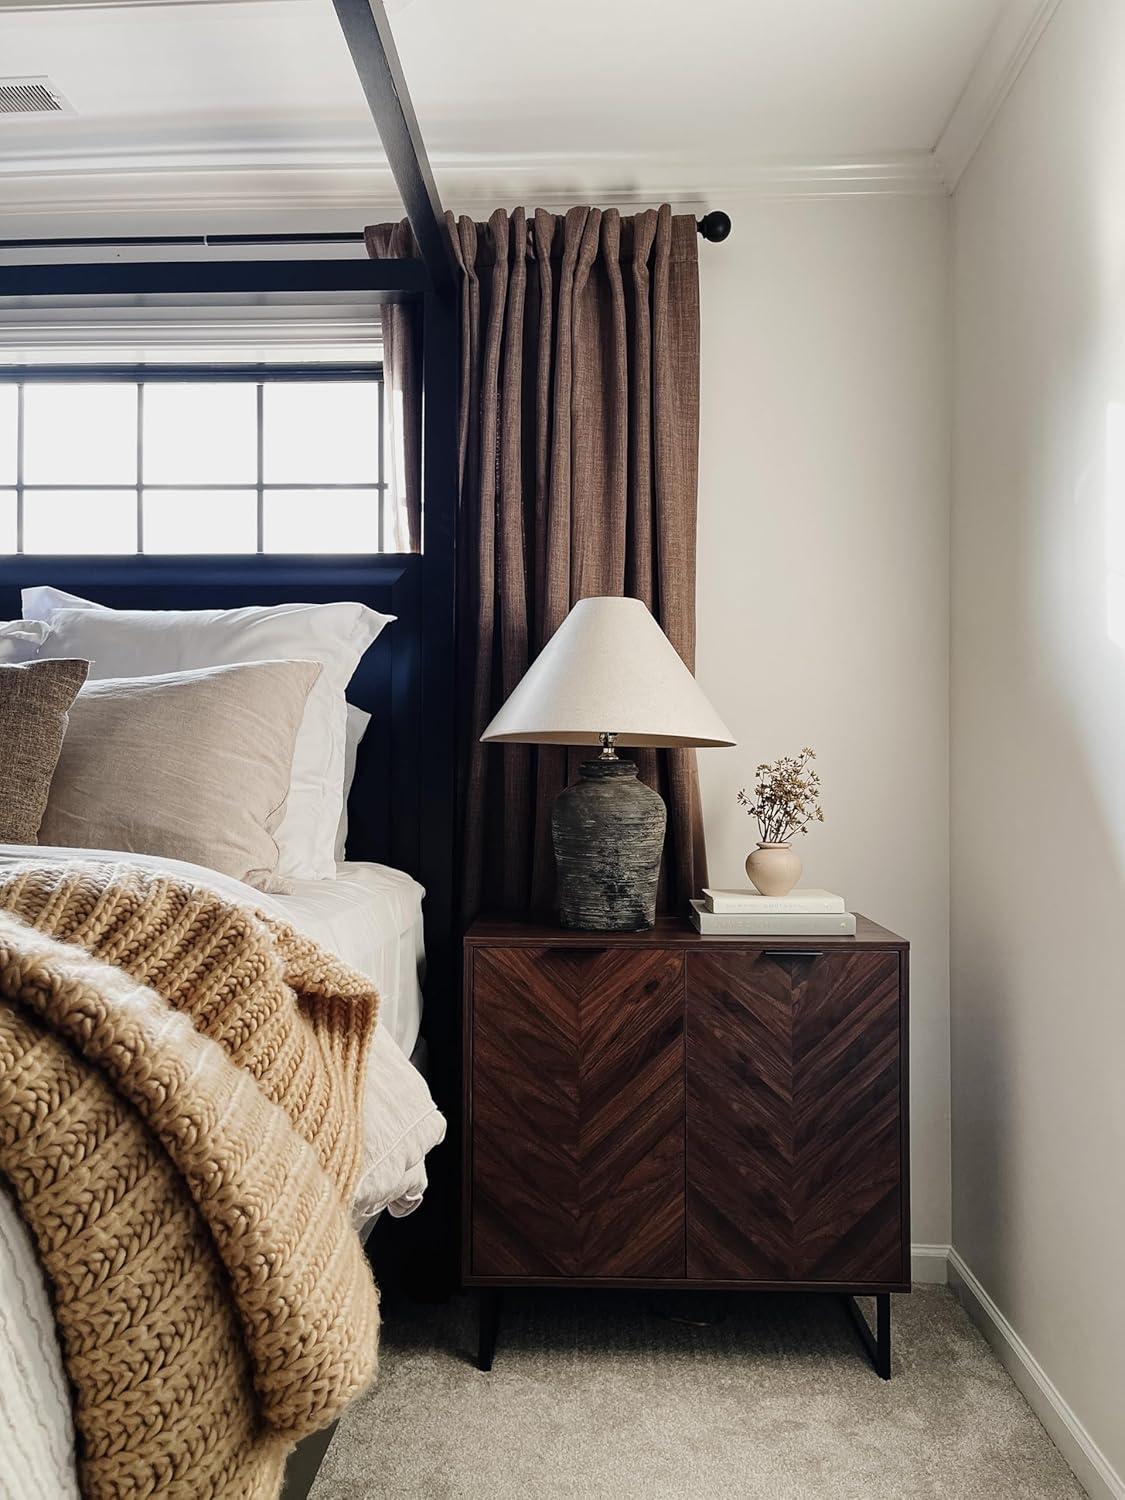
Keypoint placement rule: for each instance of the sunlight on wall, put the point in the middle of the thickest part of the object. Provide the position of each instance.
(1115, 522)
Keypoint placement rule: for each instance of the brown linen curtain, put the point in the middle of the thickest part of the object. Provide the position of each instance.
(578, 436)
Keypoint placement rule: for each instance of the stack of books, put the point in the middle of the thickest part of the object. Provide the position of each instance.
(803, 913)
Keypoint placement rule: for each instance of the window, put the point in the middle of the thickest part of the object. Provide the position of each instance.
(186, 460)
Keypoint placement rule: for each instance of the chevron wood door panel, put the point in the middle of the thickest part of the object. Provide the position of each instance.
(794, 1136)
(576, 1148)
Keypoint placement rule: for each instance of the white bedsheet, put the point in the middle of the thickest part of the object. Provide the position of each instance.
(370, 916)
(36, 1430)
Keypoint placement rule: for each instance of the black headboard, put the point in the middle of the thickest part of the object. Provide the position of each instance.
(384, 813)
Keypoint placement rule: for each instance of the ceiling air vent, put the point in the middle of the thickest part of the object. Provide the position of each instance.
(31, 96)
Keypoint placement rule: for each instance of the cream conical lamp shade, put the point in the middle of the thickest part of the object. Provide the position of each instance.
(608, 669)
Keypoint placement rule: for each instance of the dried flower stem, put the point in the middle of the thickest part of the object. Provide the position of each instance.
(786, 798)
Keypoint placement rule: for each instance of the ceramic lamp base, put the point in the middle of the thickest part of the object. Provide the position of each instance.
(608, 831)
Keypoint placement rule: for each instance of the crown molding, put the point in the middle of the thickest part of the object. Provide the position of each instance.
(1005, 55)
(350, 176)
(94, 159)
(910, 172)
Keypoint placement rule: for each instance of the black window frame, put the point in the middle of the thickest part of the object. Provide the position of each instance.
(260, 373)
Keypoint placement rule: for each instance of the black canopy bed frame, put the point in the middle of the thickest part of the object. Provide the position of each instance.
(403, 809)
(414, 805)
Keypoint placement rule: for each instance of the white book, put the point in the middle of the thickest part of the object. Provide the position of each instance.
(799, 900)
(772, 924)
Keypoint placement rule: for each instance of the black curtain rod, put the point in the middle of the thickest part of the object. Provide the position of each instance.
(714, 226)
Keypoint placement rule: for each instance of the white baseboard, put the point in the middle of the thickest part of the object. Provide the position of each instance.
(929, 1264)
(1089, 1463)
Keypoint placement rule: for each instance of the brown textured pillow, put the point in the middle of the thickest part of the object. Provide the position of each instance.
(35, 699)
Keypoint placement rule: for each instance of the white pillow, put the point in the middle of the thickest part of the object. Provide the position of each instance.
(20, 640)
(356, 729)
(147, 642)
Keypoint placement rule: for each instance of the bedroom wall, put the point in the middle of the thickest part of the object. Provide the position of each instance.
(823, 572)
(1038, 716)
(823, 556)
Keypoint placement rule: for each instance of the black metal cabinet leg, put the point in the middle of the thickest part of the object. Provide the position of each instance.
(489, 1325)
(883, 1334)
(877, 1344)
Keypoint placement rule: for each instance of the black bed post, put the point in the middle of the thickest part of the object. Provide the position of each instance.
(371, 43)
(439, 839)
(368, 35)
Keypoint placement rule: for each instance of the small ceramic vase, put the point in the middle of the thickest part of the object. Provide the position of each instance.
(774, 869)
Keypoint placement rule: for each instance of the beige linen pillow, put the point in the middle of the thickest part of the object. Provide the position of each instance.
(186, 765)
(35, 698)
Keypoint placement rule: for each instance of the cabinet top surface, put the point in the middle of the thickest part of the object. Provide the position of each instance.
(669, 932)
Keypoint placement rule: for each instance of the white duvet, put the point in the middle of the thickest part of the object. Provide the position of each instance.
(371, 917)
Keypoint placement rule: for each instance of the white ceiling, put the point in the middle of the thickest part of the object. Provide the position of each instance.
(235, 101)
(702, 78)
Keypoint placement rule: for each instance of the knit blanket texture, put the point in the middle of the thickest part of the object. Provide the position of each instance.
(180, 1085)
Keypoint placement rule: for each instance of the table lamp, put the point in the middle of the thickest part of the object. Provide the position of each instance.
(609, 676)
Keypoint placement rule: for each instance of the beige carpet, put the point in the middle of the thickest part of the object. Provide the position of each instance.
(595, 1397)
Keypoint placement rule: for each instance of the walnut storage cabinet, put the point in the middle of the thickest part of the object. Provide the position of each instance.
(663, 1109)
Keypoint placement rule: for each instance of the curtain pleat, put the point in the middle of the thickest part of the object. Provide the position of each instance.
(578, 436)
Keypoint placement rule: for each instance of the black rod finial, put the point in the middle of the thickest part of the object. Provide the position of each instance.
(714, 226)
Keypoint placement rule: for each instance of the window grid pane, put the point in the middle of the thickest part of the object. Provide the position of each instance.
(19, 469)
(79, 433)
(342, 418)
(9, 438)
(325, 520)
(200, 433)
(8, 528)
(200, 521)
(77, 521)
(140, 468)
(93, 513)
(261, 438)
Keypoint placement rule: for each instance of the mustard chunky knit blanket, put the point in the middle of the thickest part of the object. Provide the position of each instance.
(179, 1125)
